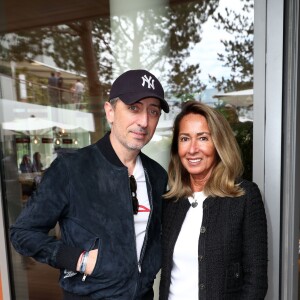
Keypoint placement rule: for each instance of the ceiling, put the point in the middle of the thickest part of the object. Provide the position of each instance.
(16, 15)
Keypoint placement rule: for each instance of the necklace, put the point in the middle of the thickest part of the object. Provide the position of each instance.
(195, 203)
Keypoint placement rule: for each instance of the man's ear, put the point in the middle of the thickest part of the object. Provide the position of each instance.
(110, 112)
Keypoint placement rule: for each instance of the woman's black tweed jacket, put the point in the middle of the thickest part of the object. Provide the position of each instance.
(232, 246)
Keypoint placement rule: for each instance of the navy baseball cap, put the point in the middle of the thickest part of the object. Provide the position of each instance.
(135, 85)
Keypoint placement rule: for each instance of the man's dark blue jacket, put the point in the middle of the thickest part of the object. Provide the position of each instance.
(88, 193)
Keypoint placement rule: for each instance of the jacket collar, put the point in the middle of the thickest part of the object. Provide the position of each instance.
(106, 148)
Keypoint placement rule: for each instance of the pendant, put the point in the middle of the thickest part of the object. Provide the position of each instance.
(194, 204)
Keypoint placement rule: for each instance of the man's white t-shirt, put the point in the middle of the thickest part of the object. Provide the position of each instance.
(141, 219)
(184, 275)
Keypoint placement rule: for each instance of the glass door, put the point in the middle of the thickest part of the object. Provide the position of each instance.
(193, 47)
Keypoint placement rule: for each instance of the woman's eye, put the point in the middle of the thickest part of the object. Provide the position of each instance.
(183, 139)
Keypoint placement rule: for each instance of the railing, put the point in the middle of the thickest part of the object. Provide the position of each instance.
(36, 93)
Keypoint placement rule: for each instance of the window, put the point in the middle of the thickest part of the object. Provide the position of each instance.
(196, 48)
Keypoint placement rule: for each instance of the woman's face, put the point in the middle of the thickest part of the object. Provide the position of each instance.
(195, 146)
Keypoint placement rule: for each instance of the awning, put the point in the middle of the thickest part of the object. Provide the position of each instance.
(21, 116)
(239, 99)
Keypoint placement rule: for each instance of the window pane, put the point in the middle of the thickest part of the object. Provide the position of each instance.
(198, 50)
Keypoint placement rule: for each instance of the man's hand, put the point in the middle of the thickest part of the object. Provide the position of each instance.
(91, 262)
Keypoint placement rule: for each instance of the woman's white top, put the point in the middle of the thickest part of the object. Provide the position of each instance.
(184, 275)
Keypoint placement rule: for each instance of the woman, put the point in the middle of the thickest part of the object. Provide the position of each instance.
(37, 165)
(26, 165)
(214, 226)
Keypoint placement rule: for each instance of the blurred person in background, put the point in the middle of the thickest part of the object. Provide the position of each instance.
(37, 165)
(26, 164)
(78, 92)
(60, 85)
(53, 89)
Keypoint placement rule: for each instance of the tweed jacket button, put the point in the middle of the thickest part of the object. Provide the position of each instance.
(201, 257)
(203, 229)
(202, 286)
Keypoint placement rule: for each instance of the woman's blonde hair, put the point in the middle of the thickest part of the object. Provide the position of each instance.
(228, 167)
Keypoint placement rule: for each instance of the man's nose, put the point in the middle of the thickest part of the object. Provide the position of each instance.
(143, 119)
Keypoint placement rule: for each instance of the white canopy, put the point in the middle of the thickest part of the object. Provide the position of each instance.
(33, 123)
(20, 116)
(240, 98)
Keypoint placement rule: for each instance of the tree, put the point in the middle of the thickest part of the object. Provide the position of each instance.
(239, 57)
(91, 47)
(169, 31)
(74, 46)
(243, 132)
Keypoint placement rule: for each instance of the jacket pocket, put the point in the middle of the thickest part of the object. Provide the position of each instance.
(234, 278)
(112, 263)
(92, 244)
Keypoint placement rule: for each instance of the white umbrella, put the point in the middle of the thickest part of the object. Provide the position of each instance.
(34, 123)
(16, 116)
(240, 98)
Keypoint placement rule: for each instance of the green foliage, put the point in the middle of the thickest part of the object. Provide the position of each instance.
(5, 70)
(152, 38)
(239, 58)
(239, 50)
(244, 135)
(148, 37)
(36, 88)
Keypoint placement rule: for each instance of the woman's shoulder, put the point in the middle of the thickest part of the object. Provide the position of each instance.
(248, 186)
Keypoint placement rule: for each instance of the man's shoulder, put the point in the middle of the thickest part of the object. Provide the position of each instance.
(52, 80)
(151, 164)
(72, 154)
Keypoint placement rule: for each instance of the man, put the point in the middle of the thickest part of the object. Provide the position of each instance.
(60, 85)
(52, 89)
(79, 90)
(107, 200)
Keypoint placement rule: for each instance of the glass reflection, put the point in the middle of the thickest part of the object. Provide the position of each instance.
(51, 114)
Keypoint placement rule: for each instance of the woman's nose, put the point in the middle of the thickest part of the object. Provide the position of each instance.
(193, 146)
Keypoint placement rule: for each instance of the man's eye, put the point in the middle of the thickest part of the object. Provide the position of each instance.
(154, 113)
(133, 107)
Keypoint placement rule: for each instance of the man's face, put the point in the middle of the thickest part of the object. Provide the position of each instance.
(132, 126)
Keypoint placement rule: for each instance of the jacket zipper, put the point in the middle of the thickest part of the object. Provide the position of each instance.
(149, 219)
(139, 261)
(134, 238)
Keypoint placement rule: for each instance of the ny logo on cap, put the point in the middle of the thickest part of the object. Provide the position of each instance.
(148, 80)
